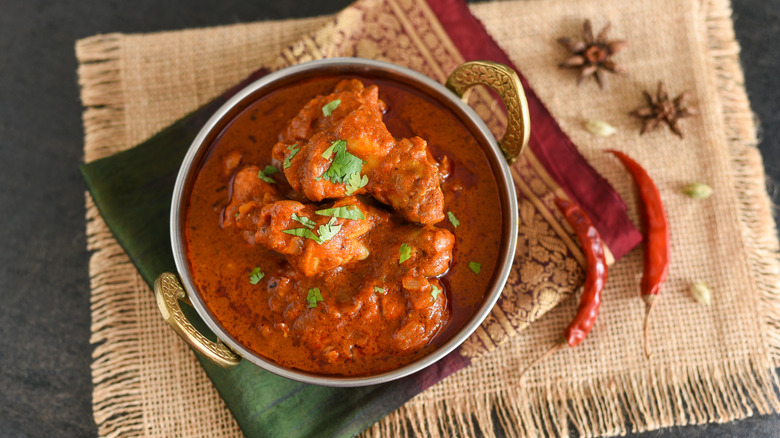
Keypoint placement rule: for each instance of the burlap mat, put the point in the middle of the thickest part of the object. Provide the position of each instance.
(710, 364)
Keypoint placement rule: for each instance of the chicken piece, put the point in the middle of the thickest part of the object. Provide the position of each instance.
(335, 334)
(431, 249)
(427, 310)
(351, 94)
(408, 180)
(247, 187)
(426, 314)
(429, 252)
(400, 173)
(324, 241)
(367, 143)
(422, 309)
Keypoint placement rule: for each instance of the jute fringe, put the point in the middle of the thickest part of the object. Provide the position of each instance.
(642, 401)
(102, 95)
(755, 207)
(115, 371)
(639, 402)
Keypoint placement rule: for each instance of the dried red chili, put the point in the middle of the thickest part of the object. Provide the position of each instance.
(595, 277)
(656, 237)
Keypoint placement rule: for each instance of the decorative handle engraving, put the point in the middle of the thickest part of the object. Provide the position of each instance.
(507, 84)
(168, 291)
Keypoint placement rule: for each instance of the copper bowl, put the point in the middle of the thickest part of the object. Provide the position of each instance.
(226, 351)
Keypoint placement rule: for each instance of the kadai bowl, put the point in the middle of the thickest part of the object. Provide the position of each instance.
(345, 222)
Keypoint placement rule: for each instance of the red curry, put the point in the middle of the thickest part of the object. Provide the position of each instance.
(343, 226)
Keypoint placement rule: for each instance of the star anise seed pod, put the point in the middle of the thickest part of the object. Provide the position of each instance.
(662, 109)
(592, 55)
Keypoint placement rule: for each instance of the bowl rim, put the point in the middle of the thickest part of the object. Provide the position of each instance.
(502, 174)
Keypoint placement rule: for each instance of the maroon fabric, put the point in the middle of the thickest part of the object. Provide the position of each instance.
(437, 372)
(551, 146)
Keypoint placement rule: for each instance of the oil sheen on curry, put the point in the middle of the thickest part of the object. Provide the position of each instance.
(343, 226)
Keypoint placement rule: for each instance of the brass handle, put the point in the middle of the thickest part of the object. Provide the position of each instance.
(168, 291)
(507, 84)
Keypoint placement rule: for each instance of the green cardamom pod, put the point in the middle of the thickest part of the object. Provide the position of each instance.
(701, 293)
(697, 190)
(599, 128)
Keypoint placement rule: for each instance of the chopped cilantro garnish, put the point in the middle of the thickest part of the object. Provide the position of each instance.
(476, 267)
(237, 213)
(354, 183)
(343, 165)
(328, 230)
(344, 212)
(329, 151)
(405, 253)
(308, 223)
(379, 290)
(435, 291)
(303, 232)
(269, 170)
(313, 297)
(324, 232)
(294, 149)
(256, 275)
(330, 106)
(453, 220)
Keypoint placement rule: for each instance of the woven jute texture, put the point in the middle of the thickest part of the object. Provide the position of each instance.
(710, 364)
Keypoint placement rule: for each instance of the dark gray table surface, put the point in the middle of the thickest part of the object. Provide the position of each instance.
(45, 384)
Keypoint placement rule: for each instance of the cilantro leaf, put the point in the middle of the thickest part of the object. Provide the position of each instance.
(435, 291)
(294, 149)
(267, 179)
(354, 183)
(453, 220)
(256, 275)
(303, 232)
(343, 165)
(329, 151)
(344, 212)
(379, 290)
(330, 106)
(328, 230)
(263, 174)
(324, 232)
(476, 267)
(308, 223)
(405, 253)
(313, 297)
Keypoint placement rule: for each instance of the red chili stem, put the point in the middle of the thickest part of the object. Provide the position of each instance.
(595, 278)
(558, 346)
(656, 242)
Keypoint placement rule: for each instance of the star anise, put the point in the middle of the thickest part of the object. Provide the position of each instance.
(662, 109)
(592, 55)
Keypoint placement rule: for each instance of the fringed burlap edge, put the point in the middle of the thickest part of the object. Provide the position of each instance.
(101, 94)
(606, 406)
(653, 399)
(116, 372)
